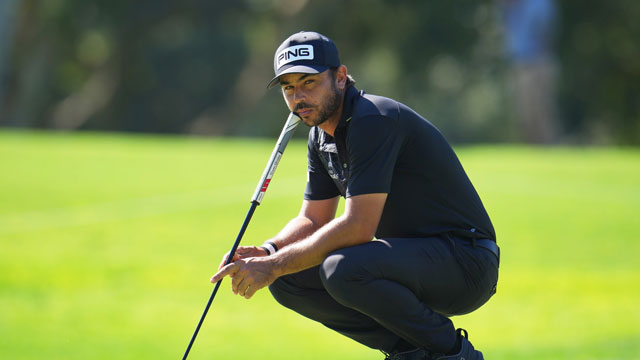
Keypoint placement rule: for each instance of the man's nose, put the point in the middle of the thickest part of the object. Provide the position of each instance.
(298, 95)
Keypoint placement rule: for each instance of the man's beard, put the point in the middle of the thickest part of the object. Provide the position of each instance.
(327, 109)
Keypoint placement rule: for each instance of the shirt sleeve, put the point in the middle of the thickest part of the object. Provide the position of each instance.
(320, 186)
(373, 144)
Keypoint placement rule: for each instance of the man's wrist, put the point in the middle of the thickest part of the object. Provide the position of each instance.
(269, 247)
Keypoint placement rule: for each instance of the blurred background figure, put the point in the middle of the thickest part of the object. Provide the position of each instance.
(529, 33)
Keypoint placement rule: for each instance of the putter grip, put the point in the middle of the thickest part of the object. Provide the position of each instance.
(289, 127)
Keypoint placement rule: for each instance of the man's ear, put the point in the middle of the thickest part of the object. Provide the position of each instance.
(341, 77)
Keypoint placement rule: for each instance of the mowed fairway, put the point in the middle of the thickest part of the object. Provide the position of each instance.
(107, 243)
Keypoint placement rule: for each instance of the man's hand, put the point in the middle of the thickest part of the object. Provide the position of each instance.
(243, 252)
(247, 275)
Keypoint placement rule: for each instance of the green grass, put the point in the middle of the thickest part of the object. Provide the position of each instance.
(107, 243)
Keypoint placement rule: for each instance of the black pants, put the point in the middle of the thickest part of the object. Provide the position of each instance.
(391, 289)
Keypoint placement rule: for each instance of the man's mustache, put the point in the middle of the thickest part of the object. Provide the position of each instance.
(302, 106)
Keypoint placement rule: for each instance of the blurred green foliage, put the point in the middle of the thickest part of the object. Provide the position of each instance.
(199, 66)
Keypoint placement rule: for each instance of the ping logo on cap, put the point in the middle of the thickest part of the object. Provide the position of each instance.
(295, 53)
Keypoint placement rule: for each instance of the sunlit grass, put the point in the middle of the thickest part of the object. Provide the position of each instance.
(107, 243)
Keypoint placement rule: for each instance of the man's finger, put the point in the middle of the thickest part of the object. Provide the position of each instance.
(226, 270)
(241, 287)
(224, 261)
(251, 290)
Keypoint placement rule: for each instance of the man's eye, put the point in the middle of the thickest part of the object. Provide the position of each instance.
(308, 82)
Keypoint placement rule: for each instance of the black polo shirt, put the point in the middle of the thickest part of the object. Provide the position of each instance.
(383, 146)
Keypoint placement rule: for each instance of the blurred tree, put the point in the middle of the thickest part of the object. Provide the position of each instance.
(133, 66)
(8, 14)
(599, 50)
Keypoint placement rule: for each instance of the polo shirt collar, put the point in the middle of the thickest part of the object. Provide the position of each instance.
(347, 107)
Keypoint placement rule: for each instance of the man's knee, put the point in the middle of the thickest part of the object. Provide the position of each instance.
(340, 275)
(284, 293)
(290, 290)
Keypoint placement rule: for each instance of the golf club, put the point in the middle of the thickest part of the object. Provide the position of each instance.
(290, 126)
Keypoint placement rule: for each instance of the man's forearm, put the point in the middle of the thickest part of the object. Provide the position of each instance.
(297, 229)
(312, 250)
(357, 225)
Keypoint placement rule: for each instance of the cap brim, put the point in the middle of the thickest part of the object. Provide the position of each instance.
(301, 69)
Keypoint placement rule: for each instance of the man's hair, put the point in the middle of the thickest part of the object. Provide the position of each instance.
(350, 79)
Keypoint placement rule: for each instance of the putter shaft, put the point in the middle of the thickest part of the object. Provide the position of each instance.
(289, 127)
